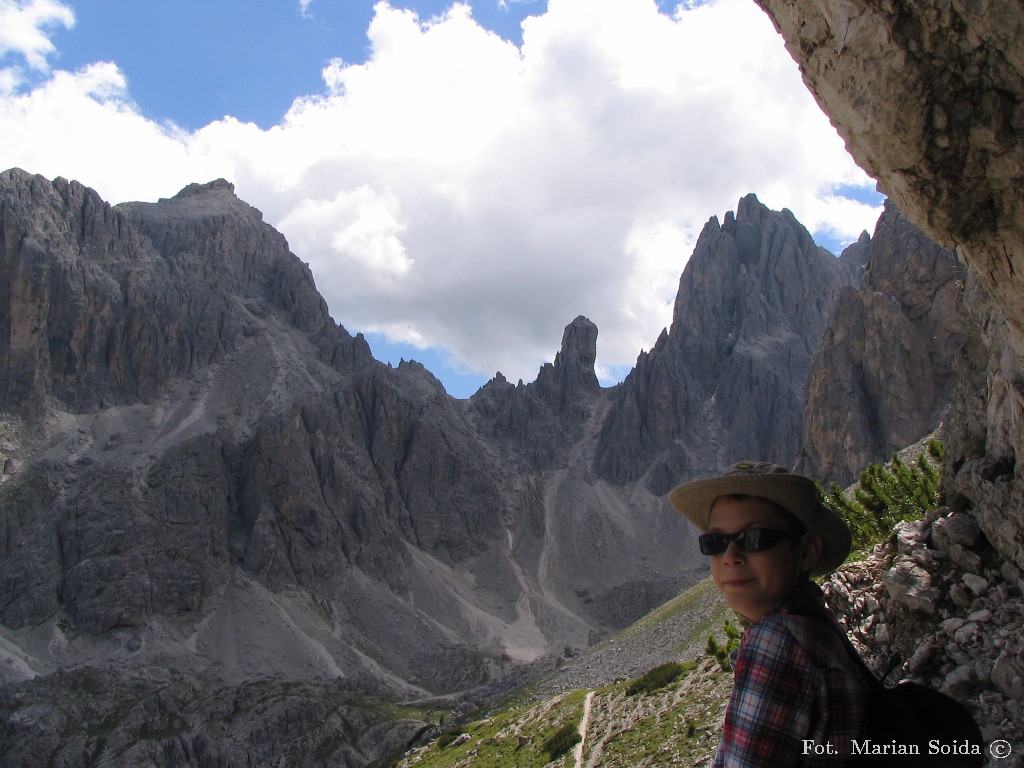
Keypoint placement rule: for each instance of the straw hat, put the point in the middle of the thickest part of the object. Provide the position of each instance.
(796, 494)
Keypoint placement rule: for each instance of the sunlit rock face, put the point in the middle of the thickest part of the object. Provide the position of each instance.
(928, 96)
(196, 460)
(726, 381)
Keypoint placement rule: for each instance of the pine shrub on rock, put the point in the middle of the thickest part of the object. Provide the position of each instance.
(885, 495)
(721, 652)
(447, 738)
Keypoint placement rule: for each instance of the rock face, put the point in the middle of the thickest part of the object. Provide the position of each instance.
(108, 306)
(928, 97)
(547, 416)
(726, 382)
(203, 466)
(939, 605)
(884, 373)
(111, 719)
(986, 426)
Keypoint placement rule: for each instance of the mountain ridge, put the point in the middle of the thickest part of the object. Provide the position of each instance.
(273, 442)
(725, 382)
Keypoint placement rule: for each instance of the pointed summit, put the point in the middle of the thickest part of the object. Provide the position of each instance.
(572, 376)
(727, 381)
(575, 362)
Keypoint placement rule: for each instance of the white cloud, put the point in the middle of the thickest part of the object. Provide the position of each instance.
(364, 234)
(460, 192)
(83, 125)
(23, 25)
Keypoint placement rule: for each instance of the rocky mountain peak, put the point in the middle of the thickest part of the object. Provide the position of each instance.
(211, 201)
(884, 372)
(579, 345)
(196, 189)
(550, 411)
(572, 375)
(726, 381)
(856, 255)
(750, 211)
(108, 305)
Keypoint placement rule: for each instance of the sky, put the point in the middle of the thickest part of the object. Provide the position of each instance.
(463, 179)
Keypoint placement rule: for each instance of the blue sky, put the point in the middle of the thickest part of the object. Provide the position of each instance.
(196, 61)
(463, 179)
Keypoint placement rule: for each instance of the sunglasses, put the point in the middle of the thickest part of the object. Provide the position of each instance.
(750, 540)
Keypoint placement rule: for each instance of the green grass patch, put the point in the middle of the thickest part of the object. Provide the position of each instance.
(561, 741)
(520, 737)
(676, 725)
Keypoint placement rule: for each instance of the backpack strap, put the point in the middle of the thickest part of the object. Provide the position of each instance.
(825, 617)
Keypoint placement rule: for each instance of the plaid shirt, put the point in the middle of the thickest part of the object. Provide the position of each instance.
(798, 698)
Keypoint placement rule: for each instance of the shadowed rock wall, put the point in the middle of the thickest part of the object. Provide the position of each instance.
(885, 371)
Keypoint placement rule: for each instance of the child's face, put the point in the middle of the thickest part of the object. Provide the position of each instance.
(752, 583)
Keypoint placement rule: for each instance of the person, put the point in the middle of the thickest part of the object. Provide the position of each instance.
(798, 698)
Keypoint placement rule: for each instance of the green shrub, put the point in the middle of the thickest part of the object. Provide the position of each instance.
(564, 739)
(720, 652)
(887, 495)
(656, 678)
(447, 737)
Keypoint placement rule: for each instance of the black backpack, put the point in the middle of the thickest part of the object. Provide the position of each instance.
(914, 725)
(910, 725)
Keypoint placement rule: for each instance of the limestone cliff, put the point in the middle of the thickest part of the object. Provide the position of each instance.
(202, 466)
(885, 371)
(726, 381)
(928, 97)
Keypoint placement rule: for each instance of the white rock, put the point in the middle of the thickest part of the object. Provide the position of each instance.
(966, 633)
(958, 528)
(960, 595)
(924, 556)
(950, 626)
(1008, 677)
(910, 584)
(962, 674)
(975, 583)
(883, 633)
(965, 558)
(980, 616)
(909, 535)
